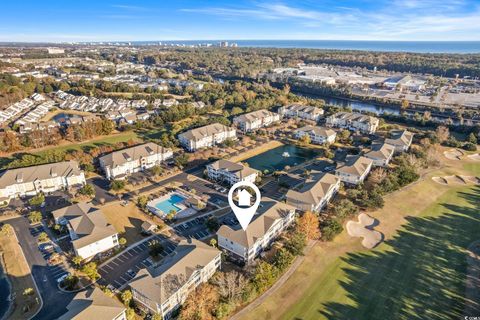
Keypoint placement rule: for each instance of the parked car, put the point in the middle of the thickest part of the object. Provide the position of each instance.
(63, 277)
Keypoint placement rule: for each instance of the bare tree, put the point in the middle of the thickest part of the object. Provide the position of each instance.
(442, 133)
(172, 282)
(230, 284)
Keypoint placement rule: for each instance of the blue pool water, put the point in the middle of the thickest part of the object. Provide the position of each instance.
(169, 204)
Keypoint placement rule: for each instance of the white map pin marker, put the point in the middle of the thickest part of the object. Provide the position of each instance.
(244, 215)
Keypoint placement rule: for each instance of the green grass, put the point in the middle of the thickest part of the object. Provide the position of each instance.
(419, 274)
(110, 140)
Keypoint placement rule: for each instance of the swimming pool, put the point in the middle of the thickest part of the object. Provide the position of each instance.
(168, 204)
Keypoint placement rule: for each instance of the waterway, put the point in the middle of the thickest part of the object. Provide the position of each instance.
(278, 158)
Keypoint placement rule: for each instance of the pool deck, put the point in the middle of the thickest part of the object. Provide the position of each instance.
(184, 211)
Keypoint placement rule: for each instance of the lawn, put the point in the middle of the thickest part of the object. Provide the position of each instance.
(101, 141)
(417, 273)
(19, 276)
(126, 220)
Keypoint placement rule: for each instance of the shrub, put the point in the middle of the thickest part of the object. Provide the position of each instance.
(470, 146)
(117, 185)
(330, 228)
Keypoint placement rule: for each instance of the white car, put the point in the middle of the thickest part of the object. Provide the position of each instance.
(63, 277)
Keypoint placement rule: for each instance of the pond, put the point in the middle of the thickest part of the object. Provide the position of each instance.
(279, 157)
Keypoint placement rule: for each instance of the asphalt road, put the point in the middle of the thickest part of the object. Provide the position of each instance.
(54, 300)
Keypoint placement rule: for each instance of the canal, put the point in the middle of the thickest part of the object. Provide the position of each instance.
(278, 158)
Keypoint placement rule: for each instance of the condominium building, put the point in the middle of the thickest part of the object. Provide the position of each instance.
(380, 154)
(231, 172)
(90, 233)
(299, 111)
(355, 169)
(315, 193)
(206, 136)
(318, 135)
(44, 178)
(353, 121)
(400, 139)
(119, 164)
(271, 219)
(92, 303)
(161, 289)
(255, 120)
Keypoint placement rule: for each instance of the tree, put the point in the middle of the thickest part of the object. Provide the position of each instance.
(77, 260)
(37, 200)
(126, 297)
(230, 285)
(182, 160)
(90, 270)
(442, 133)
(212, 224)
(343, 136)
(283, 259)
(345, 208)
(308, 225)
(70, 282)
(330, 228)
(87, 190)
(472, 138)
(201, 303)
(156, 171)
(305, 139)
(263, 276)
(117, 185)
(35, 216)
(213, 242)
(155, 248)
(296, 243)
(43, 237)
(122, 241)
(405, 104)
(142, 202)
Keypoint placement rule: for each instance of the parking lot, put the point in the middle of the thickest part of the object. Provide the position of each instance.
(47, 249)
(194, 228)
(123, 268)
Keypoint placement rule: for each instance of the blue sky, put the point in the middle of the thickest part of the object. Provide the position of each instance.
(25, 20)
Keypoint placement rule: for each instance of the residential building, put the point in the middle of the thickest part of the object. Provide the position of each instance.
(315, 193)
(400, 139)
(44, 178)
(231, 172)
(161, 289)
(353, 121)
(380, 154)
(301, 112)
(93, 303)
(255, 120)
(318, 135)
(206, 136)
(119, 164)
(90, 233)
(355, 169)
(271, 219)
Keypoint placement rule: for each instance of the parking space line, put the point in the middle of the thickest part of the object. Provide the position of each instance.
(123, 279)
(118, 283)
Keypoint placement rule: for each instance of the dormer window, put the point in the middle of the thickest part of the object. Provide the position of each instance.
(126, 156)
(53, 172)
(19, 177)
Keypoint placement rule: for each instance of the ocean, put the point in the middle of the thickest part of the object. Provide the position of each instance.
(389, 46)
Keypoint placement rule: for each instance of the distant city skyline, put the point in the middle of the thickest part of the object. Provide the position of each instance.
(409, 20)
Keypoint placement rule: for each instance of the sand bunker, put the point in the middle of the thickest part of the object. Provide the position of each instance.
(454, 154)
(364, 228)
(457, 180)
(475, 157)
